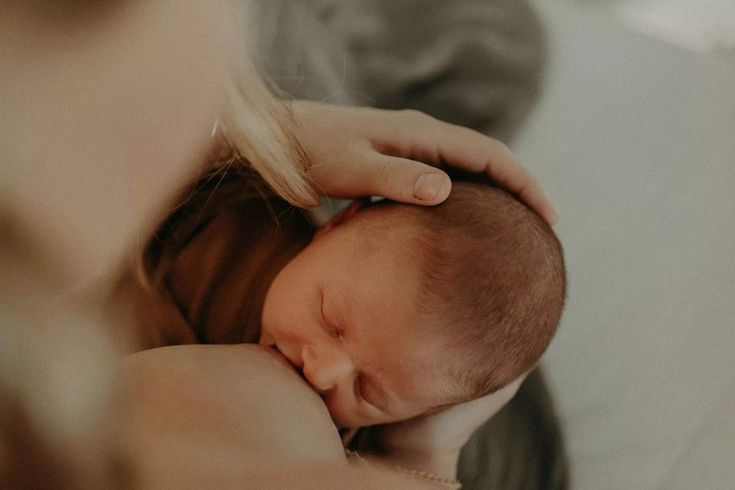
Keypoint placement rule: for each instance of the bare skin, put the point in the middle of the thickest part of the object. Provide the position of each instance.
(87, 187)
(188, 429)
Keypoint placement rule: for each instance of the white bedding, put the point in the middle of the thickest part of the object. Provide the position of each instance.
(635, 142)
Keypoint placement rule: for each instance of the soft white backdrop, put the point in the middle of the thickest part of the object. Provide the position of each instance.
(634, 140)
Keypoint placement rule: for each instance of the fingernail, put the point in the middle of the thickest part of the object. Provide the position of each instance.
(554, 216)
(427, 186)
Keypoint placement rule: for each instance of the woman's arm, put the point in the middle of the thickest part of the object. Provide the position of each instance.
(432, 443)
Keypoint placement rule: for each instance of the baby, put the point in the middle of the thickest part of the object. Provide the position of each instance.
(389, 311)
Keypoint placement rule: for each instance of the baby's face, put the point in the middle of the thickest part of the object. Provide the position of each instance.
(345, 315)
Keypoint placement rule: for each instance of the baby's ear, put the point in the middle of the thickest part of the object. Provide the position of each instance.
(341, 217)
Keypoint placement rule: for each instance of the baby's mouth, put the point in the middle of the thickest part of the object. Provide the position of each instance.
(293, 360)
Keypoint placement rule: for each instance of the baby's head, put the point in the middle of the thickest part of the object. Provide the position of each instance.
(398, 310)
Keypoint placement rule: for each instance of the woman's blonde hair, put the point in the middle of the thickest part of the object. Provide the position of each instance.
(260, 129)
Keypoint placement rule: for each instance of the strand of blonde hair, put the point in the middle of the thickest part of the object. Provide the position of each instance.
(260, 130)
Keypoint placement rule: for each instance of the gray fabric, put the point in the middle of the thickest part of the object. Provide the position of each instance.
(470, 62)
(520, 448)
(297, 49)
(477, 63)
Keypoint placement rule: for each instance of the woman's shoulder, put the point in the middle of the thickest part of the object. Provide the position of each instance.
(246, 394)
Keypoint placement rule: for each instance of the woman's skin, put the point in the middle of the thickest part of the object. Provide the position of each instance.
(187, 429)
(107, 111)
(171, 394)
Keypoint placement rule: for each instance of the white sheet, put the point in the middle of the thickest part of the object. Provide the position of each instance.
(635, 143)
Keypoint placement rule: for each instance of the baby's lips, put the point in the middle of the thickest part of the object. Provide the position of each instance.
(294, 361)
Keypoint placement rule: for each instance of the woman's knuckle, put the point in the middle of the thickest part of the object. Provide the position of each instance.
(501, 147)
(387, 177)
(416, 117)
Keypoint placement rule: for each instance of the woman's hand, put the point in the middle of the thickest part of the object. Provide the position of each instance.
(432, 442)
(365, 151)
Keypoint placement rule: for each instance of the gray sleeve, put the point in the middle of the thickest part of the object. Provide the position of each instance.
(476, 63)
(520, 448)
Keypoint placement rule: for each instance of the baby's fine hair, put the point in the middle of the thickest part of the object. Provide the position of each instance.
(493, 283)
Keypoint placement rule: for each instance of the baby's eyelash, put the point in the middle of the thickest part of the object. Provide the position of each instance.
(358, 388)
(360, 391)
(336, 332)
(331, 330)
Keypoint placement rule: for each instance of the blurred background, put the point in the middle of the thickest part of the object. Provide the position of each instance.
(634, 140)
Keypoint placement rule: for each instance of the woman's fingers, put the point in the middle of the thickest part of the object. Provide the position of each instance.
(429, 140)
(360, 151)
(404, 180)
(397, 179)
(469, 150)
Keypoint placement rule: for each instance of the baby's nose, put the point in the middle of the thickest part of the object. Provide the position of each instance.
(324, 369)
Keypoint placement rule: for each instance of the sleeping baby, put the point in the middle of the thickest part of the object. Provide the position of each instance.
(389, 311)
